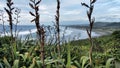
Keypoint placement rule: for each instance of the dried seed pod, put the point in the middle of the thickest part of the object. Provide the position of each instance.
(84, 4)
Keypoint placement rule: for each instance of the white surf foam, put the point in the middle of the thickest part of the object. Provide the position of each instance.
(28, 32)
(68, 33)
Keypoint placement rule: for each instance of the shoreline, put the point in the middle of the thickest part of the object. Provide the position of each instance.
(100, 32)
(81, 34)
(74, 33)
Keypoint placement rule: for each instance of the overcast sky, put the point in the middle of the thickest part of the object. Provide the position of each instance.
(71, 10)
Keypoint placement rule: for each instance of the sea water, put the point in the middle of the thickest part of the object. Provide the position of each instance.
(30, 31)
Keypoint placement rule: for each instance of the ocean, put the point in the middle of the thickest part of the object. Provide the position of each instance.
(29, 31)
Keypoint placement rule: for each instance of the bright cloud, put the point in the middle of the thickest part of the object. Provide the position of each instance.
(71, 10)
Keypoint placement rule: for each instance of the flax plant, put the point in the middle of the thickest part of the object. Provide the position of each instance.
(40, 30)
(17, 14)
(89, 31)
(57, 18)
(35, 6)
(9, 12)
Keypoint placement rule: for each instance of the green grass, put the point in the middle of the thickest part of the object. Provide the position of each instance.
(106, 53)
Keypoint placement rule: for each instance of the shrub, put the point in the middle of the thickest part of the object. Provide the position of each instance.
(116, 35)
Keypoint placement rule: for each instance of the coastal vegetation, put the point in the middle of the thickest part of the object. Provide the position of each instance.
(73, 54)
(97, 52)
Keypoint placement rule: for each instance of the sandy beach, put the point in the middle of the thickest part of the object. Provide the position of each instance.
(78, 33)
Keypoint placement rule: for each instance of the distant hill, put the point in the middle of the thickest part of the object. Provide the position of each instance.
(100, 24)
(97, 25)
(113, 24)
(107, 24)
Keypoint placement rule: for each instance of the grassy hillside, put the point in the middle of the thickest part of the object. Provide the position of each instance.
(24, 54)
